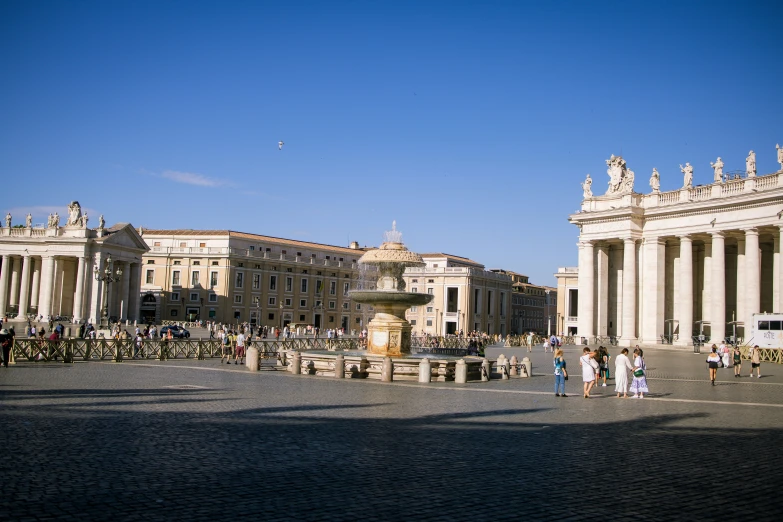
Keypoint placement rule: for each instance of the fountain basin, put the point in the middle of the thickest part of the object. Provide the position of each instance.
(380, 297)
(362, 365)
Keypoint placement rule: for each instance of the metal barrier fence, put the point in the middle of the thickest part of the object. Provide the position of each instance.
(773, 355)
(68, 350)
(433, 341)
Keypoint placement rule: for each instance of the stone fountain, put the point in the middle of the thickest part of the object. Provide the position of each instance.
(388, 356)
(389, 333)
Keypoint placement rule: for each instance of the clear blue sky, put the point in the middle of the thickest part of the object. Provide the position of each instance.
(470, 123)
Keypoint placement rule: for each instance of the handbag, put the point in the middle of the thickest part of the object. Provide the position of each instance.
(638, 373)
(565, 375)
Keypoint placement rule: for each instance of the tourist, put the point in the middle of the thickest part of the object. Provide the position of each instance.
(7, 343)
(639, 383)
(589, 367)
(560, 374)
(546, 344)
(755, 361)
(239, 355)
(621, 366)
(138, 345)
(603, 362)
(530, 341)
(225, 342)
(724, 354)
(737, 361)
(597, 358)
(713, 361)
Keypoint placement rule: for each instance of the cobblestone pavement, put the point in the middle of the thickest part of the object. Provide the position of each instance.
(196, 440)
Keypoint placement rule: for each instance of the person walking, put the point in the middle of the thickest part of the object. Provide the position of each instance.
(7, 343)
(639, 383)
(603, 362)
(530, 341)
(724, 355)
(589, 366)
(621, 366)
(560, 373)
(225, 342)
(713, 361)
(737, 361)
(240, 351)
(546, 344)
(755, 361)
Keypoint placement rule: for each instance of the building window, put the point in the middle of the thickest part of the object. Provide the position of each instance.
(256, 281)
(256, 299)
(252, 247)
(431, 280)
(173, 313)
(156, 243)
(213, 282)
(202, 245)
(194, 296)
(414, 280)
(240, 280)
(213, 298)
(332, 305)
(333, 288)
(288, 301)
(303, 303)
(271, 317)
(150, 276)
(175, 278)
(431, 291)
(150, 261)
(177, 262)
(175, 296)
(319, 286)
(304, 286)
(238, 299)
(345, 288)
(414, 289)
(358, 306)
(345, 306)
(414, 309)
(429, 322)
(215, 263)
(413, 323)
(289, 284)
(429, 309)
(272, 301)
(273, 282)
(194, 277)
(301, 317)
(196, 263)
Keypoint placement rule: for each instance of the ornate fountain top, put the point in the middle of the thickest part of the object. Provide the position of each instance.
(392, 251)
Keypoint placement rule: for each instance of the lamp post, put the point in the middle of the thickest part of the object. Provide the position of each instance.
(107, 277)
(548, 317)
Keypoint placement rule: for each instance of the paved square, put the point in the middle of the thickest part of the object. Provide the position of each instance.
(195, 440)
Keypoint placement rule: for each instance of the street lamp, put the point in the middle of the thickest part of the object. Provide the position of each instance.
(548, 317)
(107, 277)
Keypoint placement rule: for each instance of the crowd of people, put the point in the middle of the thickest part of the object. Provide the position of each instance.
(595, 367)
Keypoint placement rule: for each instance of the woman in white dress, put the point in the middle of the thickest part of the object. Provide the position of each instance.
(589, 365)
(639, 383)
(621, 366)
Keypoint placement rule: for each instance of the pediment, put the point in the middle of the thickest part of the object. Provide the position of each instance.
(126, 237)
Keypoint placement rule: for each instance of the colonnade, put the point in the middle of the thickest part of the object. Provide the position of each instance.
(51, 285)
(642, 288)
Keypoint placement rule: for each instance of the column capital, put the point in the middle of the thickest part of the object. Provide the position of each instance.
(718, 234)
(751, 231)
(654, 240)
(586, 243)
(629, 239)
(685, 237)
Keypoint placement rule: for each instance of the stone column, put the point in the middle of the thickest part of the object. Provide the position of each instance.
(125, 291)
(602, 288)
(13, 299)
(718, 290)
(741, 272)
(24, 291)
(686, 291)
(34, 293)
(752, 289)
(586, 289)
(47, 275)
(654, 284)
(777, 271)
(629, 291)
(94, 314)
(136, 293)
(78, 298)
(5, 275)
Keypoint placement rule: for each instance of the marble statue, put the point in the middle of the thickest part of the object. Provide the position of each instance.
(101, 222)
(717, 167)
(655, 181)
(49, 221)
(8, 220)
(587, 187)
(74, 213)
(84, 220)
(780, 155)
(687, 170)
(55, 220)
(620, 178)
(28, 221)
(750, 164)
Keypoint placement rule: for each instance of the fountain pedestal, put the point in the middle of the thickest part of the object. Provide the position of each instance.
(388, 333)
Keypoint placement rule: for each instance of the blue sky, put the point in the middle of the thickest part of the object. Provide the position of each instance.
(470, 123)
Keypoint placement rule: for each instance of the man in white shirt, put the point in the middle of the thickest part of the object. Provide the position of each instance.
(240, 353)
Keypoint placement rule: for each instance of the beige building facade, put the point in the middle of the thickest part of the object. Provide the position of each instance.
(668, 266)
(230, 277)
(467, 297)
(50, 271)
